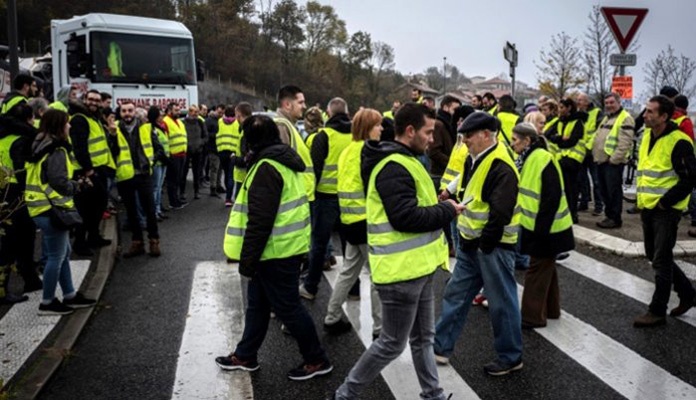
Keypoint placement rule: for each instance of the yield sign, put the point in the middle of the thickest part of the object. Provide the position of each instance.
(624, 23)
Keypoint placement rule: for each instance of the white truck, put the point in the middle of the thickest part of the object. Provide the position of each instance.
(148, 61)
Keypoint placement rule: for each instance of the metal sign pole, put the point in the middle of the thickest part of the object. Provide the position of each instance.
(12, 37)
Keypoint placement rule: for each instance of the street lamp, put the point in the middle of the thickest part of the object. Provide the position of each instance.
(444, 74)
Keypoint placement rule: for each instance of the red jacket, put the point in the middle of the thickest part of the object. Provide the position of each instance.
(686, 125)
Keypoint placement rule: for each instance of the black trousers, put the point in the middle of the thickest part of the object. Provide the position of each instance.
(91, 203)
(140, 186)
(17, 245)
(194, 161)
(571, 171)
(610, 185)
(660, 235)
(174, 172)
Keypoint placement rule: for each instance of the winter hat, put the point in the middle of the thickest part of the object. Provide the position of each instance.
(477, 121)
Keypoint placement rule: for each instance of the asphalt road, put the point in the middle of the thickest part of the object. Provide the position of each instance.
(131, 346)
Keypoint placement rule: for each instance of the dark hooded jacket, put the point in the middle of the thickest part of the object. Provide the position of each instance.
(264, 192)
(541, 243)
(439, 151)
(20, 151)
(397, 189)
(320, 146)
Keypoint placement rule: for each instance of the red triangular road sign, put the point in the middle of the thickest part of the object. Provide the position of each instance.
(624, 23)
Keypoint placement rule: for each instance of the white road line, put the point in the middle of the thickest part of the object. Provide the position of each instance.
(22, 330)
(623, 282)
(399, 375)
(621, 368)
(214, 325)
(688, 268)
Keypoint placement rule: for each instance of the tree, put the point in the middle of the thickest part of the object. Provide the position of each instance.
(433, 78)
(382, 61)
(669, 69)
(324, 30)
(284, 26)
(359, 49)
(559, 68)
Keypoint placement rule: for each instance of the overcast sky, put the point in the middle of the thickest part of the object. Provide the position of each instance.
(471, 34)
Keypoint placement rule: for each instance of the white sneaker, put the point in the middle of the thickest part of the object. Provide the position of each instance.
(441, 360)
(305, 294)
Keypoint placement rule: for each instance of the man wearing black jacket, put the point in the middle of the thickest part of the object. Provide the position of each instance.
(664, 152)
(486, 256)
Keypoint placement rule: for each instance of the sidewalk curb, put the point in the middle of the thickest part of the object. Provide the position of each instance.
(623, 247)
(31, 384)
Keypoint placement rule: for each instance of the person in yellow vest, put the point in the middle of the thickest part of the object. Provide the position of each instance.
(268, 233)
(591, 116)
(566, 134)
(613, 143)
(490, 103)
(389, 114)
(406, 247)
(178, 143)
(239, 161)
(666, 177)
(24, 87)
(64, 97)
(135, 155)
(19, 232)
(367, 125)
(93, 161)
(227, 142)
(155, 125)
(488, 229)
(326, 149)
(49, 186)
(547, 229)
(416, 96)
(477, 102)
(508, 118)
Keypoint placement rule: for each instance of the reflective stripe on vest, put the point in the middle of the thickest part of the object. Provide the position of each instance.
(656, 174)
(301, 148)
(124, 162)
(455, 165)
(576, 152)
(475, 217)
(351, 195)
(396, 256)
(337, 142)
(6, 159)
(97, 146)
(291, 228)
(590, 128)
(613, 136)
(529, 195)
(228, 136)
(178, 142)
(38, 193)
(8, 104)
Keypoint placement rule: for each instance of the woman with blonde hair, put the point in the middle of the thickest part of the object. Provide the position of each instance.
(367, 125)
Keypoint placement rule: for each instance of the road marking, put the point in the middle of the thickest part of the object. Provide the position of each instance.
(214, 325)
(22, 330)
(688, 268)
(399, 375)
(620, 281)
(621, 368)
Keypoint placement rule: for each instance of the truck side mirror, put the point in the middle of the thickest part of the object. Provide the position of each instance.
(200, 70)
(78, 60)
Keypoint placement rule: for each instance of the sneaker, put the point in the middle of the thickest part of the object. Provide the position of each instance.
(338, 328)
(309, 371)
(232, 363)
(54, 308)
(608, 224)
(441, 360)
(478, 300)
(228, 203)
(79, 301)
(305, 294)
(179, 206)
(649, 320)
(562, 256)
(497, 368)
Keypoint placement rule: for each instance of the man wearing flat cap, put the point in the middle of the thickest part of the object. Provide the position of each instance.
(488, 229)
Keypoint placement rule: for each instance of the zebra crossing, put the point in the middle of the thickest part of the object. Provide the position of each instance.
(627, 370)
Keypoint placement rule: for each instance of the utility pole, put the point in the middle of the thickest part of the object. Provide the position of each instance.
(12, 40)
(444, 75)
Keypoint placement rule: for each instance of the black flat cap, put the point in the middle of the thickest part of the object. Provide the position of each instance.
(669, 91)
(479, 120)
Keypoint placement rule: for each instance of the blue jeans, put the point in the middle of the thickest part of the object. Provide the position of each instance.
(521, 260)
(326, 216)
(494, 272)
(158, 173)
(274, 287)
(56, 244)
(407, 317)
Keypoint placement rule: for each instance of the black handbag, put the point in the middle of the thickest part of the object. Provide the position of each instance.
(64, 219)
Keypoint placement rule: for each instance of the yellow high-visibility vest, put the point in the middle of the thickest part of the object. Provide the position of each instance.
(39, 195)
(178, 141)
(124, 161)
(337, 142)
(351, 190)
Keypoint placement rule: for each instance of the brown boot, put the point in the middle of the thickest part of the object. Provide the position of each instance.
(137, 248)
(155, 248)
(649, 320)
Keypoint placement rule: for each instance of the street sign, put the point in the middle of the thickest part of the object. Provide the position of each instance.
(623, 86)
(510, 53)
(622, 59)
(624, 23)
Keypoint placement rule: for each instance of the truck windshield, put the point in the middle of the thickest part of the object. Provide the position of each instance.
(121, 57)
